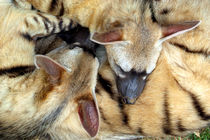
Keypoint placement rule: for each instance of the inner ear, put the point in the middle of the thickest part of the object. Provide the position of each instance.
(89, 116)
(51, 67)
(109, 37)
(173, 30)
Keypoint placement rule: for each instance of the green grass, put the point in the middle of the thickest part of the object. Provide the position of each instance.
(204, 135)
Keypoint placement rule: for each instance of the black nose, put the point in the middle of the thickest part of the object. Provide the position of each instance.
(131, 86)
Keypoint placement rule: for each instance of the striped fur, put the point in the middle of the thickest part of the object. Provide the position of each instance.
(19, 30)
(132, 35)
(194, 42)
(173, 103)
(168, 105)
(175, 100)
(27, 93)
(32, 106)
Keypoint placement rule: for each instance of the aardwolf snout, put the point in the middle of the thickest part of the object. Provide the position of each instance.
(131, 86)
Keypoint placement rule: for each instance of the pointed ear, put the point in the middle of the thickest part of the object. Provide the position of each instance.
(51, 67)
(89, 117)
(111, 37)
(171, 31)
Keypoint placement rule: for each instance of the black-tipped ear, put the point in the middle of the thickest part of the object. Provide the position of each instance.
(170, 31)
(51, 67)
(113, 36)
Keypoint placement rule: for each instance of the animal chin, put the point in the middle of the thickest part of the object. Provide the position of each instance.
(89, 117)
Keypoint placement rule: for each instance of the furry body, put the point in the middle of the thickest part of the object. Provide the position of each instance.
(128, 30)
(32, 98)
(174, 101)
(195, 42)
(168, 106)
(20, 28)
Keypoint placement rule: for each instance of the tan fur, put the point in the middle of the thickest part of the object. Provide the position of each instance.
(133, 17)
(172, 88)
(167, 105)
(181, 78)
(132, 37)
(169, 91)
(32, 99)
(187, 10)
(20, 27)
(27, 102)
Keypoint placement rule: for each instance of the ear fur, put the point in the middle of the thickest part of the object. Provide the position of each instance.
(171, 31)
(51, 67)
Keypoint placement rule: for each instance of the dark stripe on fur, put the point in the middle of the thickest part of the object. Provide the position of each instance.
(180, 127)
(124, 115)
(125, 118)
(164, 11)
(167, 123)
(33, 8)
(26, 22)
(49, 119)
(60, 25)
(42, 95)
(54, 27)
(199, 108)
(140, 131)
(106, 85)
(35, 19)
(29, 129)
(103, 116)
(185, 48)
(53, 5)
(152, 12)
(197, 105)
(26, 36)
(46, 22)
(17, 71)
(120, 103)
(46, 26)
(61, 11)
(43, 17)
(97, 91)
(70, 25)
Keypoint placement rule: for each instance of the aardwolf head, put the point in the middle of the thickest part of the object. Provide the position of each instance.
(133, 45)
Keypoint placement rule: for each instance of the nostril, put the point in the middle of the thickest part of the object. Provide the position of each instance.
(124, 100)
(131, 101)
